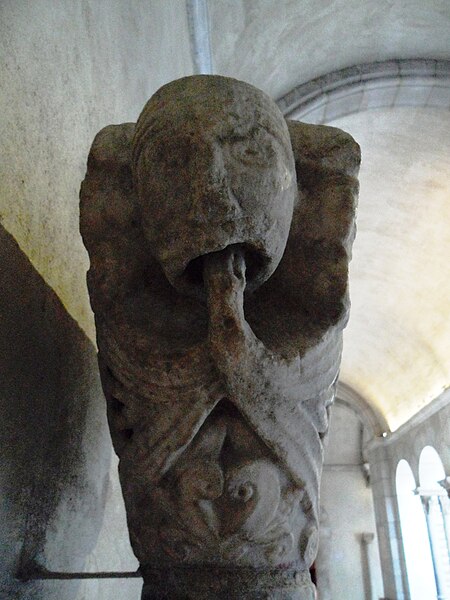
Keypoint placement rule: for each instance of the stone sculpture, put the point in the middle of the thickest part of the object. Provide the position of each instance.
(219, 237)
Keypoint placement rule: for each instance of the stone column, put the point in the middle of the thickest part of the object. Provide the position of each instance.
(438, 541)
(444, 502)
(388, 523)
(219, 237)
(426, 504)
(366, 539)
(445, 483)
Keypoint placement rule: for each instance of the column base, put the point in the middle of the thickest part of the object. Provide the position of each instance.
(210, 582)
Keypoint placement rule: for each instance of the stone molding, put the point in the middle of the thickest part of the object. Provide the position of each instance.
(392, 83)
(370, 416)
(419, 418)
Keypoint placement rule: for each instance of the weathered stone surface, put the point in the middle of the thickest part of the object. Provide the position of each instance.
(201, 583)
(219, 238)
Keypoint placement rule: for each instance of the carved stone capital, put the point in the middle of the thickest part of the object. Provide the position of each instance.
(219, 236)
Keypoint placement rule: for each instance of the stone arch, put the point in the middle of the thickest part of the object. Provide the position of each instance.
(370, 416)
(401, 82)
(431, 469)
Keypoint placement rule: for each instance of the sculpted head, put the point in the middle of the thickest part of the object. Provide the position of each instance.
(213, 166)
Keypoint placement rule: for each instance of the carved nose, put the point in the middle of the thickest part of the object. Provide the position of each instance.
(213, 198)
(218, 205)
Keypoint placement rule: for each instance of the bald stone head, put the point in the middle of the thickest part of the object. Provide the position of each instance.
(213, 167)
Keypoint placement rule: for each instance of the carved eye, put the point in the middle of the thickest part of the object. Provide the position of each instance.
(252, 152)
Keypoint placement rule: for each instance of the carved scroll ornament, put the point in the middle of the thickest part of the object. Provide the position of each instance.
(219, 237)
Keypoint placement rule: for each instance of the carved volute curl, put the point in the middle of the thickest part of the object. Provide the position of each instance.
(219, 236)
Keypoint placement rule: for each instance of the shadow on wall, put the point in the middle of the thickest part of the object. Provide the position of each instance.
(54, 440)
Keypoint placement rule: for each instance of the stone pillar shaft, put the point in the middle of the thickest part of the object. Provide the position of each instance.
(388, 525)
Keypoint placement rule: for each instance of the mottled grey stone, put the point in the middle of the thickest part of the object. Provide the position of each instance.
(219, 236)
(205, 583)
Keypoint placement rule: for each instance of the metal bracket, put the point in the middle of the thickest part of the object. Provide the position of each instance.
(34, 571)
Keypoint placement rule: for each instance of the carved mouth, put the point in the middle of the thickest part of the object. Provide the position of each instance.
(256, 263)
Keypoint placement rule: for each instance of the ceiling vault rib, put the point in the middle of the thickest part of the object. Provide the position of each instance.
(392, 83)
(199, 34)
(369, 415)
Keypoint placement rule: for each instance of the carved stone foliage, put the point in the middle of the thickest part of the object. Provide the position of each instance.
(219, 236)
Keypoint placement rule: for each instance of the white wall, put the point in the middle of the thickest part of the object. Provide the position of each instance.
(68, 69)
(347, 514)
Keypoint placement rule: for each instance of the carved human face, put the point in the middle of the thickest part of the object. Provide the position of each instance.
(219, 175)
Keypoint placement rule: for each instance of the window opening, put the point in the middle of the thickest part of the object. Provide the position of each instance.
(416, 544)
(435, 504)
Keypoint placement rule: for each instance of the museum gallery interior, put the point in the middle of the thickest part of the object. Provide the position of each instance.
(225, 300)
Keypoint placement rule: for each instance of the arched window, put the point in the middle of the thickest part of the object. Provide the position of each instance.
(435, 504)
(419, 563)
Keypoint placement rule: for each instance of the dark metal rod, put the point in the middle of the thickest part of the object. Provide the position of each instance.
(100, 575)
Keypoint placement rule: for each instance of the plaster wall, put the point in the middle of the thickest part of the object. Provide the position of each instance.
(67, 70)
(61, 506)
(112, 551)
(346, 568)
(55, 445)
